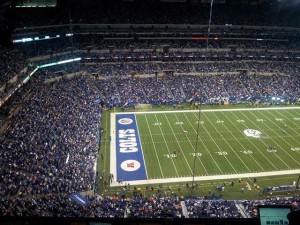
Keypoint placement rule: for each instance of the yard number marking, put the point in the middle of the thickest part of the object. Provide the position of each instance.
(278, 119)
(198, 154)
(170, 156)
(295, 149)
(247, 152)
(222, 153)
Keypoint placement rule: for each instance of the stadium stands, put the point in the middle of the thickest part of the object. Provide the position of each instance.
(50, 147)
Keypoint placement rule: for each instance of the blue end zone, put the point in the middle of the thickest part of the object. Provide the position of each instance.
(130, 161)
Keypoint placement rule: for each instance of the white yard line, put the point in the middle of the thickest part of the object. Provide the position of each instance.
(292, 121)
(236, 139)
(162, 174)
(265, 124)
(138, 133)
(228, 143)
(213, 177)
(248, 186)
(182, 152)
(269, 138)
(297, 161)
(200, 139)
(217, 146)
(169, 152)
(254, 144)
(209, 110)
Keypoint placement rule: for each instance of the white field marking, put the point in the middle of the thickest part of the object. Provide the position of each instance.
(113, 130)
(289, 136)
(208, 110)
(154, 147)
(208, 178)
(248, 186)
(167, 146)
(138, 133)
(207, 140)
(224, 131)
(203, 145)
(292, 121)
(257, 147)
(271, 140)
(280, 145)
(294, 118)
(279, 119)
(231, 146)
(216, 143)
(113, 154)
(192, 145)
(268, 137)
(178, 141)
(237, 139)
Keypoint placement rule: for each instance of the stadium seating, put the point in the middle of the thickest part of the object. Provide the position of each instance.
(50, 147)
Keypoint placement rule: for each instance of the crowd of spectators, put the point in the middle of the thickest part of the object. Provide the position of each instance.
(217, 208)
(171, 83)
(50, 147)
(12, 63)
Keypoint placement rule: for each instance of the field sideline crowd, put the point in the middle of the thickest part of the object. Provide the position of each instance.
(50, 145)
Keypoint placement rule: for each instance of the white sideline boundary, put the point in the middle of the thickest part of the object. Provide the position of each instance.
(208, 110)
(113, 162)
(113, 155)
(209, 178)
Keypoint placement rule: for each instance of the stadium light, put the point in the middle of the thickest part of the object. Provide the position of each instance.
(59, 62)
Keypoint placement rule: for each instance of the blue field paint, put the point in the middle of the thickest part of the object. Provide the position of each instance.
(80, 199)
(130, 161)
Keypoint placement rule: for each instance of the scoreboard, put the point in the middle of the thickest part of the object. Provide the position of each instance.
(36, 3)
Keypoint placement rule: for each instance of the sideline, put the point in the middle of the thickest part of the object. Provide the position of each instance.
(209, 110)
(113, 156)
(208, 178)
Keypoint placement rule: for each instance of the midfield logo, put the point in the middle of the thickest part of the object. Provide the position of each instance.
(252, 133)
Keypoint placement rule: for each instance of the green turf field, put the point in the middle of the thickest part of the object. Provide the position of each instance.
(224, 146)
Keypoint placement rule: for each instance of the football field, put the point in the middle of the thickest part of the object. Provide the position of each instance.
(175, 146)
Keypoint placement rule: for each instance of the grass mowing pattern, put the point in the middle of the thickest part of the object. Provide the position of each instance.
(223, 147)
